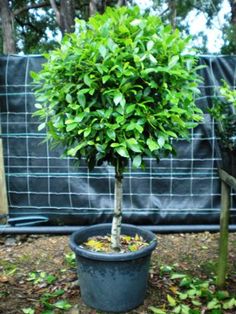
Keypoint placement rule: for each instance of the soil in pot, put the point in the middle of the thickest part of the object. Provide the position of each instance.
(103, 244)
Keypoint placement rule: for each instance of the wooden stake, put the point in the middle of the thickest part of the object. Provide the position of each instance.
(224, 234)
(3, 190)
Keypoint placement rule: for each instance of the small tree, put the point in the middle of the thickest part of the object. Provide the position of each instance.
(121, 87)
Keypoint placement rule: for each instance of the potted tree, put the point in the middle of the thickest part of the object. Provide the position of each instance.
(224, 113)
(120, 88)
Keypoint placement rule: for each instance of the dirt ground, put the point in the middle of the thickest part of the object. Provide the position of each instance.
(34, 268)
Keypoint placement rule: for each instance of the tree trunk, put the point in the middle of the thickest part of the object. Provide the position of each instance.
(172, 9)
(65, 15)
(96, 6)
(121, 3)
(100, 5)
(7, 18)
(233, 20)
(117, 215)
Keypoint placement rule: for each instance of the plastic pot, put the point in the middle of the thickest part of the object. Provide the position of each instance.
(114, 282)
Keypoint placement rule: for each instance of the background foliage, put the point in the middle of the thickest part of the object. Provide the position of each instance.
(37, 24)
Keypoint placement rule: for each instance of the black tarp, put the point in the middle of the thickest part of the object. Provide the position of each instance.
(180, 190)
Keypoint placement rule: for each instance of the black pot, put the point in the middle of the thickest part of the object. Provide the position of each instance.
(114, 282)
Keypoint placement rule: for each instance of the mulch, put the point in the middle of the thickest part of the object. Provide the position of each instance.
(22, 255)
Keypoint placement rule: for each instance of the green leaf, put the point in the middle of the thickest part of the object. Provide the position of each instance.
(130, 108)
(111, 45)
(119, 99)
(50, 279)
(161, 141)
(111, 134)
(185, 309)
(196, 302)
(177, 309)
(183, 296)
(42, 126)
(87, 80)
(213, 304)
(122, 151)
(103, 51)
(221, 295)
(115, 144)
(105, 78)
(139, 128)
(171, 300)
(171, 133)
(62, 304)
(87, 132)
(185, 282)
(230, 304)
(178, 276)
(28, 310)
(71, 127)
(166, 268)
(173, 61)
(83, 91)
(155, 310)
(120, 119)
(150, 45)
(133, 145)
(80, 117)
(38, 106)
(72, 152)
(136, 22)
(81, 99)
(152, 145)
(69, 98)
(137, 161)
(152, 59)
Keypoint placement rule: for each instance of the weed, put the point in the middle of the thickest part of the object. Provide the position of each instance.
(8, 268)
(191, 295)
(209, 267)
(47, 299)
(70, 259)
(4, 294)
(28, 310)
(41, 277)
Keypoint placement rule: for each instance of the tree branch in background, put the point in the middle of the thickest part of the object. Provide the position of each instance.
(56, 10)
(121, 3)
(7, 19)
(32, 6)
(172, 9)
(67, 16)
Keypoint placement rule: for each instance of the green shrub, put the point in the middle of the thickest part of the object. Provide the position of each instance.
(121, 87)
(224, 113)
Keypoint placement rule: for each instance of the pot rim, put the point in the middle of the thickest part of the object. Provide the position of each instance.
(74, 243)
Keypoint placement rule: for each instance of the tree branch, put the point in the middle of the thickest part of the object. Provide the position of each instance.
(32, 6)
(55, 9)
(22, 24)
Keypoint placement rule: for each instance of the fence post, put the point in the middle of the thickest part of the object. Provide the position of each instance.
(224, 230)
(3, 190)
